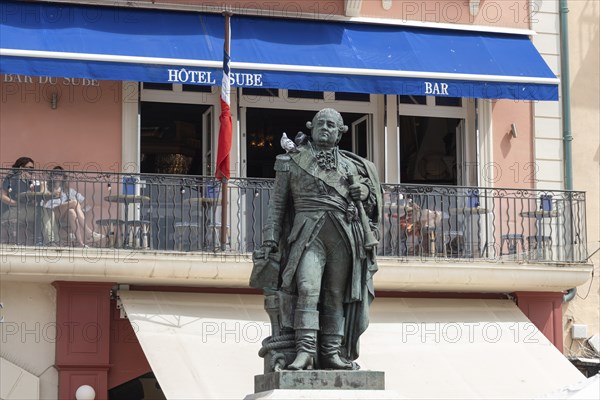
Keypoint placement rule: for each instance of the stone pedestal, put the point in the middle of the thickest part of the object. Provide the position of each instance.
(321, 384)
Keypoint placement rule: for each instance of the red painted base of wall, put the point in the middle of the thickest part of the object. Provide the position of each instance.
(544, 309)
(82, 358)
(72, 377)
(97, 347)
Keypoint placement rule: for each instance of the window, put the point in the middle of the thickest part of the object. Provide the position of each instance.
(448, 101)
(198, 88)
(413, 100)
(157, 86)
(304, 94)
(428, 150)
(260, 92)
(265, 126)
(171, 138)
(432, 133)
(348, 96)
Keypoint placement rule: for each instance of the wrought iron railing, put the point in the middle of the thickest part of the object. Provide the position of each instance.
(183, 213)
(524, 225)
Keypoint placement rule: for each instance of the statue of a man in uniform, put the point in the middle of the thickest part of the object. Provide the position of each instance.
(320, 240)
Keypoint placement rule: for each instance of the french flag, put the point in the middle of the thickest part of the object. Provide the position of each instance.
(223, 171)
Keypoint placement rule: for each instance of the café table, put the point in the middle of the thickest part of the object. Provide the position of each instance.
(129, 224)
(37, 199)
(204, 201)
(468, 213)
(539, 236)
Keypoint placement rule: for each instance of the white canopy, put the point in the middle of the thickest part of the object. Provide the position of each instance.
(17, 383)
(205, 346)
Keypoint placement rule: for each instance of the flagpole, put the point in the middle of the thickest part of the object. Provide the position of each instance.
(224, 179)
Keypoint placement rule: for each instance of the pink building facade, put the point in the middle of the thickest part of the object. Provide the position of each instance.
(128, 127)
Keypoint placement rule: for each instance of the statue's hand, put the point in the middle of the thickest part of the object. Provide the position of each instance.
(269, 246)
(358, 191)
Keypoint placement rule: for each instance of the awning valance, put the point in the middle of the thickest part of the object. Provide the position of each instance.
(44, 39)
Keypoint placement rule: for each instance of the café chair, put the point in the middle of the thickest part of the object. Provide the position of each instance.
(139, 234)
(187, 235)
(540, 246)
(454, 244)
(511, 240)
(112, 228)
(9, 231)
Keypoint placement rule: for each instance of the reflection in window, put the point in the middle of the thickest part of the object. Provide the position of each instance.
(304, 94)
(348, 96)
(408, 99)
(448, 101)
(265, 126)
(198, 88)
(428, 150)
(262, 92)
(361, 131)
(158, 86)
(171, 138)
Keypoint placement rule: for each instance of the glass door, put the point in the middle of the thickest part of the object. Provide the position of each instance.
(207, 141)
(361, 137)
(461, 178)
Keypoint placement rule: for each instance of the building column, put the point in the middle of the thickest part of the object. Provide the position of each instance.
(544, 310)
(130, 129)
(83, 333)
(391, 145)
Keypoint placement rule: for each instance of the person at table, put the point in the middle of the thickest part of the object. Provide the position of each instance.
(410, 231)
(66, 205)
(21, 180)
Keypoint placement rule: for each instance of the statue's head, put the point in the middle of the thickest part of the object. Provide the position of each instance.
(327, 128)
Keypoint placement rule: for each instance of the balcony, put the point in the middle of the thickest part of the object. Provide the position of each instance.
(178, 220)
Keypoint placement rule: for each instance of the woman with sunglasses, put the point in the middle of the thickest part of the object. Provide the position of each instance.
(21, 180)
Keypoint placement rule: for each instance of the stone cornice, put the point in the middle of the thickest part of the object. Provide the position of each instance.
(233, 271)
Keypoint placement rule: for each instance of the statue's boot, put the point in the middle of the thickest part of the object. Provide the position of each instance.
(330, 354)
(332, 329)
(306, 323)
(304, 360)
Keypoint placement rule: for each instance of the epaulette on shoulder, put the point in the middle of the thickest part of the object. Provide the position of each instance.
(282, 162)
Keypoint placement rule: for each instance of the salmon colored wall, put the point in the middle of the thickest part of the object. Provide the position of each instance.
(508, 14)
(513, 157)
(290, 7)
(83, 132)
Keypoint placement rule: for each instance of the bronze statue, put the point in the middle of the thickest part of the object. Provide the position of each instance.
(317, 260)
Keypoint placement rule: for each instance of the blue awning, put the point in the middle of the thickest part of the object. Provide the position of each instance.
(45, 39)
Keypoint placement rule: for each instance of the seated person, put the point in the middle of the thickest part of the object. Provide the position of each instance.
(20, 180)
(67, 206)
(418, 227)
(410, 231)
